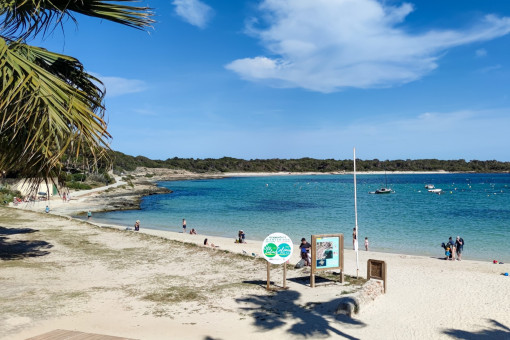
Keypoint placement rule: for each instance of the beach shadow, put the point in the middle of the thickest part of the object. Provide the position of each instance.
(310, 320)
(319, 280)
(14, 231)
(20, 249)
(438, 258)
(499, 331)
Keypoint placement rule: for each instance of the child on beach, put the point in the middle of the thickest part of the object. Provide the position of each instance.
(366, 243)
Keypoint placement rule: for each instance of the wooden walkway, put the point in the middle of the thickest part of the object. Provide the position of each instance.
(61, 334)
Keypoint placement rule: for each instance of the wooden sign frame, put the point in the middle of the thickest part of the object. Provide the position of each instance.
(339, 265)
(376, 269)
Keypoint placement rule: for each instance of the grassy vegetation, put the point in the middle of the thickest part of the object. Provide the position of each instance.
(174, 295)
(6, 195)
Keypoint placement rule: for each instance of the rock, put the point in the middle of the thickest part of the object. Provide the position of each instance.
(351, 305)
(348, 306)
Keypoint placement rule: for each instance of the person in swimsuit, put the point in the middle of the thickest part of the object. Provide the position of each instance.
(366, 243)
(184, 226)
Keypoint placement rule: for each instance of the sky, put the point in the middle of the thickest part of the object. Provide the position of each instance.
(304, 78)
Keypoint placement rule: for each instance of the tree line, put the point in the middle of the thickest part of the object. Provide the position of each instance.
(123, 162)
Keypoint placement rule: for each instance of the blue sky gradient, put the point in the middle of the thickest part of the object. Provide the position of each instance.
(304, 78)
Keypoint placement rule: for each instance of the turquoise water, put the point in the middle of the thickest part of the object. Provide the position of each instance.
(410, 221)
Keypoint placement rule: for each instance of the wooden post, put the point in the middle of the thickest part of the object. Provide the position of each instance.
(268, 275)
(377, 269)
(341, 258)
(285, 275)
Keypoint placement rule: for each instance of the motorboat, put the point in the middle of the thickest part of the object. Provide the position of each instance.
(436, 191)
(429, 186)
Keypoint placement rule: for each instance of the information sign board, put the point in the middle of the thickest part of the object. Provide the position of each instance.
(277, 248)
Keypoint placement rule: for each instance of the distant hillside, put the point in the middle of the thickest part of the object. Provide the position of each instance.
(123, 162)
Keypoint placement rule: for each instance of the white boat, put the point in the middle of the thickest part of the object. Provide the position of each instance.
(429, 186)
(436, 191)
(385, 189)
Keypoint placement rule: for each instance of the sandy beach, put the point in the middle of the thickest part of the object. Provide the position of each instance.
(64, 273)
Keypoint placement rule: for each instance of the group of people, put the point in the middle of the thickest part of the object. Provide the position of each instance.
(191, 232)
(66, 197)
(241, 237)
(453, 249)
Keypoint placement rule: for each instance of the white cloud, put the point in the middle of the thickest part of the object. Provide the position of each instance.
(481, 52)
(490, 68)
(194, 12)
(325, 45)
(117, 86)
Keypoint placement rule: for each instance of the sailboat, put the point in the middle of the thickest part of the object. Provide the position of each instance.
(385, 189)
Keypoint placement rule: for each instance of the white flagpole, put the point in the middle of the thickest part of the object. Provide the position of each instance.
(356, 217)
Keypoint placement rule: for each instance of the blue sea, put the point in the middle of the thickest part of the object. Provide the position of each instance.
(411, 220)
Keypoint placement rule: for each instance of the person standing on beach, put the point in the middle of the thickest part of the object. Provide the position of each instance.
(459, 246)
(366, 243)
(452, 248)
(184, 226)
(354, 238)
(137, 225)
(305, 251)
(89, 214)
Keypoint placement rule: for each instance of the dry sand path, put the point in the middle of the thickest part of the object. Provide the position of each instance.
(58, 272)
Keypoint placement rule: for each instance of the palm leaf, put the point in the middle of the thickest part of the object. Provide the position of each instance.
(49, 106)
(24, 18)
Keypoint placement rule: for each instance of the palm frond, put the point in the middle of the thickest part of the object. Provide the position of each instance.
(24, 18)
(49, 106)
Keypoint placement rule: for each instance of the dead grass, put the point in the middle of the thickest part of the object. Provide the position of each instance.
(173, 295)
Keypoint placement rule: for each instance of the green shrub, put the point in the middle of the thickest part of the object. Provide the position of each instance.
(79, 177)
(6, 195)
(78, 185)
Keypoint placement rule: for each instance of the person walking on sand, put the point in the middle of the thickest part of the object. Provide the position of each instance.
(366, 243)
(354, 238)
(184, 226)
(459, 246)
(47, 209)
